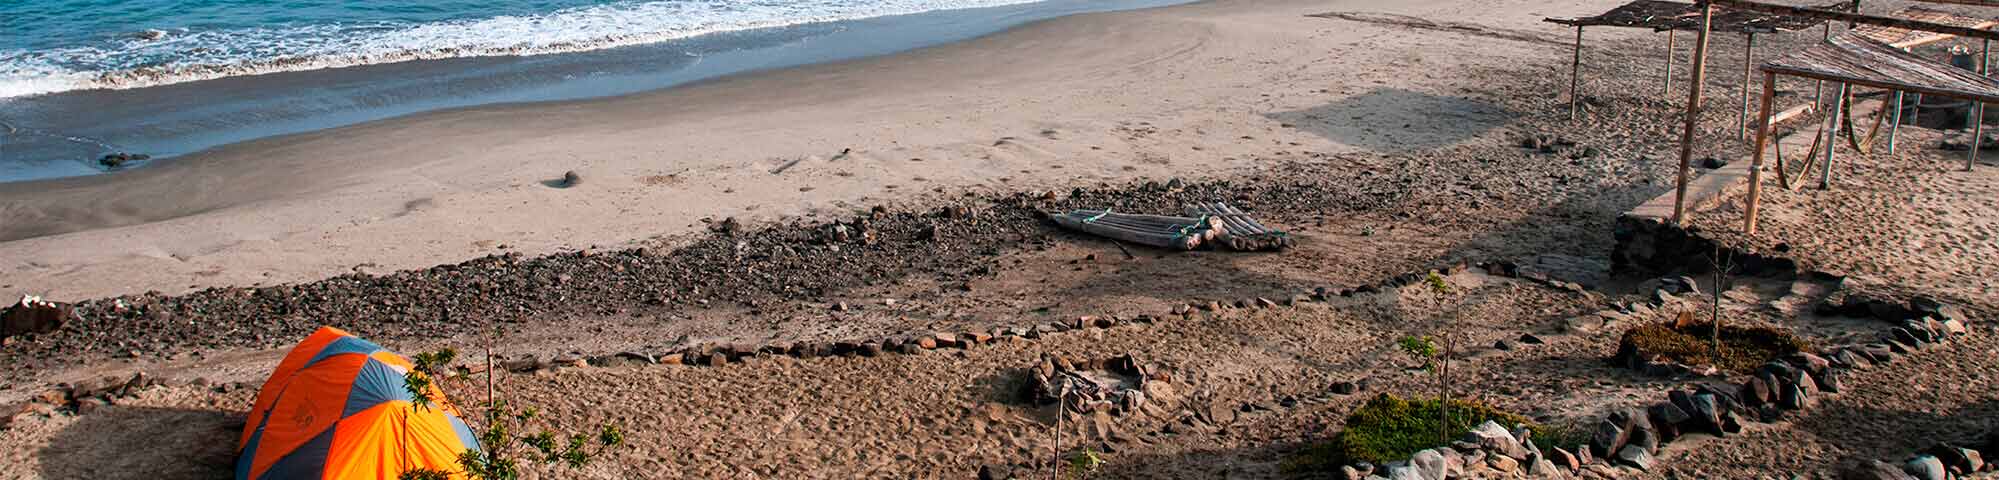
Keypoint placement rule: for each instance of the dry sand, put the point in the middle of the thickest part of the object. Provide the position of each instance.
(1175, 91)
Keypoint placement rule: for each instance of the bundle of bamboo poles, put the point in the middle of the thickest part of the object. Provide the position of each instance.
(1162, 231)
(1239, 232)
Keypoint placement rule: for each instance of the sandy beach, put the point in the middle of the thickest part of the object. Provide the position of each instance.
(1178, 91)
(849, 270)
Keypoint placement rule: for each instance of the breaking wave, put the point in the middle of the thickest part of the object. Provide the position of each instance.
(160, 57)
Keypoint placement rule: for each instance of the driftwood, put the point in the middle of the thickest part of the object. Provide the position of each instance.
(1175, 233)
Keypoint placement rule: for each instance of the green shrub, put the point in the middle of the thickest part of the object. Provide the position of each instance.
(1390, 428)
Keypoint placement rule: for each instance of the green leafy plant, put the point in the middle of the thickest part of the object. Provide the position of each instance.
(1085, 463)
(1421, 348)
(501, 453)
(1436, 282)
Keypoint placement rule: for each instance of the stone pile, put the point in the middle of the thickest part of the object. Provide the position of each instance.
(715, 355)
(1944, 460)
(1488, 451)
(1117, 385)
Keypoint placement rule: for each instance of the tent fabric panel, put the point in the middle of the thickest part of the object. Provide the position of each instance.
(376, 383)
(307, 461)
(310, 404)
(349, 344)
(293, 361)
(388, 439)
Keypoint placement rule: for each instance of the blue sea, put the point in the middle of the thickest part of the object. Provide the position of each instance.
(83, 78)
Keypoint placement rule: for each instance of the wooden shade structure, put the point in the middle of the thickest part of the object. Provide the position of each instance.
(1668, 16)
(1859, 60)
(1852, 59)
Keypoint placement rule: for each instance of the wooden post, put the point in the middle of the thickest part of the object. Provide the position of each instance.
(1670, 34)
(1748, 64)
(1895, 122)
(1916, 110)
(1831, 137)
(1575, 73)
(1978, 110)
(1818, 86)
(1693, 112)
(1756, 159)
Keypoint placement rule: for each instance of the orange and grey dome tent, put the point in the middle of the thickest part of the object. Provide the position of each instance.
(336, 408)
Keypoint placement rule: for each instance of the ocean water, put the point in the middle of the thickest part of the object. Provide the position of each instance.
(83, 78)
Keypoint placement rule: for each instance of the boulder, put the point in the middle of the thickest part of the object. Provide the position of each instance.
(1635, 456)
(1493, 437)
(1644, 437)
(1957, 458)
(1607, 439)
(1707, 413)
(1566, 460)
(1926, 467)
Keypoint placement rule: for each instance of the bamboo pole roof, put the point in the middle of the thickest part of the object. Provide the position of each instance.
(1666, 15)
(1857, 18)
(1905, 37)
(1861, 61)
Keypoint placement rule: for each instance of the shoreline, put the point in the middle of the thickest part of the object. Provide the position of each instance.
(1049, 104)
(63, 133)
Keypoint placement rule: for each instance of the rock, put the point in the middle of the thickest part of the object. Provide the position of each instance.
(1433, 464)
(1346, 388)
(1531, 339)
(1542, 468)
(91, 405)
(1644, 437)
(569, 179)
(1707, 412)
(523, 365)
(992, 471)
(1926, 467)
(120, 159)
(1565, 460)
(1810, 363)
(870, 349)
(1798, 391)
(1957, 458)
(1607, 439)
(1953, 327)
(1712, 163)
(1582, 324)
(1874, 470)
(1503, 345)
(1830, 382)
(1493, 437)
(1502, 463)
(1635, 456)
(1759, 390)
(1852, 359)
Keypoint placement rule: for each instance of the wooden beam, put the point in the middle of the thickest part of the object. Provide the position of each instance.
(1693, 114)
(1977, 3)
(1884, 86)
(1831, 15)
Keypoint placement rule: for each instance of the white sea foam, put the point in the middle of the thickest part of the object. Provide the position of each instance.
(184, 56)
